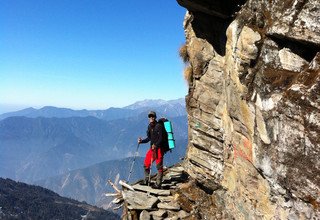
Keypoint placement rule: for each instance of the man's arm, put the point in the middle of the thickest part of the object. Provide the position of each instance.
(147, 139)
(143, 141)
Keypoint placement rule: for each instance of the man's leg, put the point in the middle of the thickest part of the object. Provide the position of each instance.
(159, 162)
(147, 166)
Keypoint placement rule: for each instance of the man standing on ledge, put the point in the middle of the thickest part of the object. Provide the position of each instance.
(155, 134)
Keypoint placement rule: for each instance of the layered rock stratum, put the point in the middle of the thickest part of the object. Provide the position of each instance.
(253, 105)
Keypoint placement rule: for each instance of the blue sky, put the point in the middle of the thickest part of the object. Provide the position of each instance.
(91, 54)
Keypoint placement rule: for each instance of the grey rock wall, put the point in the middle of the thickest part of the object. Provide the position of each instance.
(253, 105)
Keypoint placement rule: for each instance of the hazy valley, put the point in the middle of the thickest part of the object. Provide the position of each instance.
(75, 155)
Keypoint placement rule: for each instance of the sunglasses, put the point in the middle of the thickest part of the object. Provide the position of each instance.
(151, 116)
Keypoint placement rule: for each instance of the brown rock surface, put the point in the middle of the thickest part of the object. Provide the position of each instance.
(254, 106)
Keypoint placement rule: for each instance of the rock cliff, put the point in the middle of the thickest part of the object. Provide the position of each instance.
(253, 69)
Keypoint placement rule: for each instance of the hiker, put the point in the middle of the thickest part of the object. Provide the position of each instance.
(155, 134)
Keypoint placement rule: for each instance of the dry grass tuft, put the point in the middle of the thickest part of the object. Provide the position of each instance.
(187, 73)
(183, 53)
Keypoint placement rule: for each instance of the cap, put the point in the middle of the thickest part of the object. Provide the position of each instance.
(152, 113)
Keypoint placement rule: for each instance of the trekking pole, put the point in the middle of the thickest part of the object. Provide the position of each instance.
(134, 159)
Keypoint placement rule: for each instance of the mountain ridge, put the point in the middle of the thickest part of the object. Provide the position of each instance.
(22, 201)
(90, 183)
(36, 148)
(176, 108)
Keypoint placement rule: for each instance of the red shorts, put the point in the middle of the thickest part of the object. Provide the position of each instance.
(157, 156)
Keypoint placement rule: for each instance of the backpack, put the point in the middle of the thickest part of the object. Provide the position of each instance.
(168, 141)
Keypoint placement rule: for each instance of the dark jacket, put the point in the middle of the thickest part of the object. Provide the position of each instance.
(155, 135)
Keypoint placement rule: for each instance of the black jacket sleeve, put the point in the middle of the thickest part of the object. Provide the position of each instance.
(148, 138)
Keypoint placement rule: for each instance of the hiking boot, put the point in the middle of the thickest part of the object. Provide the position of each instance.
(144, 183)
(159, 178)
(146, 176)
(156, 186)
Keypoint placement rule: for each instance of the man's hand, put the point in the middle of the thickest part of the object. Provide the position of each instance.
(139, 140)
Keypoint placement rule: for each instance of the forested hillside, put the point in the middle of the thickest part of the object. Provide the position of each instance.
(22, 201)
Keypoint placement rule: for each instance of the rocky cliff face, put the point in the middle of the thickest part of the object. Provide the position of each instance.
(253, 105)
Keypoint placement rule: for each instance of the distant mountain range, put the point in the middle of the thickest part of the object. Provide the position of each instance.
(22, 201)
(172, 108)
(37, 148)
(74, 152)
(34, 148)
(90, 184)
